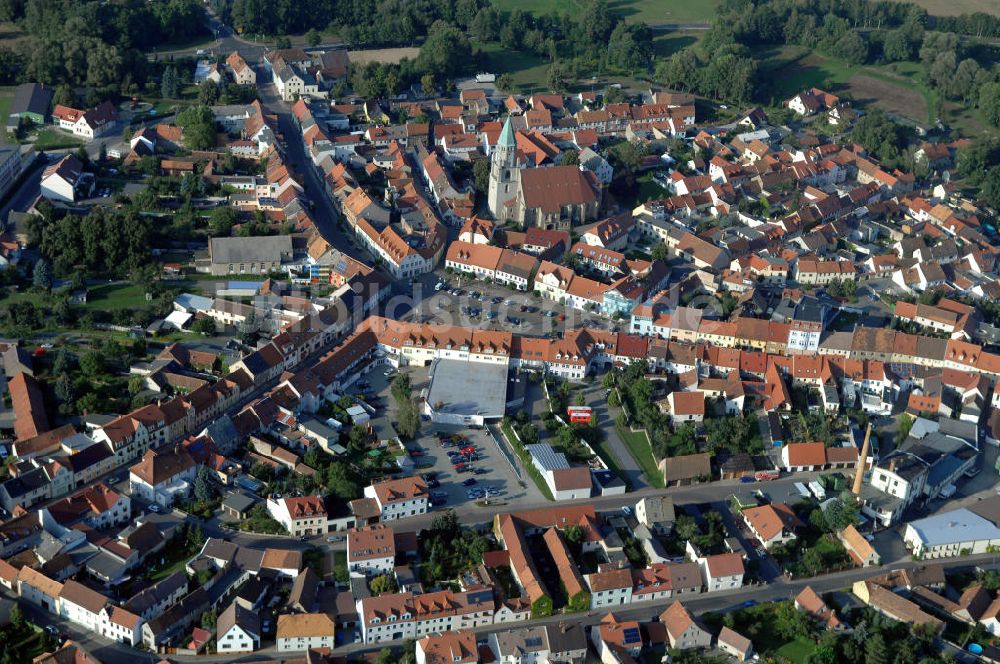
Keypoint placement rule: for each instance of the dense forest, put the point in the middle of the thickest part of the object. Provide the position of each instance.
(99, 45)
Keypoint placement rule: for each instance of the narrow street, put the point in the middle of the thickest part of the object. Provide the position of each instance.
(323, 213)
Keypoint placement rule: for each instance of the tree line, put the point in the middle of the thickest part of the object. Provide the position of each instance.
(858, 32)
(92, 43)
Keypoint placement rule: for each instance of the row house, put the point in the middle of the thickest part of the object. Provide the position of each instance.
(408, 616)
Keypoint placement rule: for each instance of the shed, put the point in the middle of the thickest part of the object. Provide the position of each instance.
(238, 505)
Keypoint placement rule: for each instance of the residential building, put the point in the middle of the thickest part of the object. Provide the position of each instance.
(163, 477)
(683, 631)
(300, 516)
(371, 550)
(304, 631)
(237, 630)
(400, 498)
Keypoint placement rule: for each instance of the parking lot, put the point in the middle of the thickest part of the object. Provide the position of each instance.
(487, 470)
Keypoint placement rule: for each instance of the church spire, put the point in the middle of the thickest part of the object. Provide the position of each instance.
(507, 135)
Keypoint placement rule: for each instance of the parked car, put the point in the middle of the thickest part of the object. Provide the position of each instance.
(335, 538)
(469, 482)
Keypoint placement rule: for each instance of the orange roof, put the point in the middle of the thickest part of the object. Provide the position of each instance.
(806, 454)
(768, 521)
(676, 619)
(689, 403)
(29, 406)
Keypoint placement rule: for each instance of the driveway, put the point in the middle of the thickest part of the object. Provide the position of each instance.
(597, 399)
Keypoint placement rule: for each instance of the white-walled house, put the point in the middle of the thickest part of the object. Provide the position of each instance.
(400, 498)
(163, 477)
(303, 631)
(371, 550)
(304, 515)
(237, 630)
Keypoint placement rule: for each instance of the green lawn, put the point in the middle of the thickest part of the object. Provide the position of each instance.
(528, 71)
(6, 99)
(653, 12)
(797, 651)
(666, 44)
(638, 445)
(53, 139)
(789, 69)
(176, 558)
(116, 296)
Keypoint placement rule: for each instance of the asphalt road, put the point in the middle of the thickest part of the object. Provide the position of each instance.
(224, 41)
(324, 215)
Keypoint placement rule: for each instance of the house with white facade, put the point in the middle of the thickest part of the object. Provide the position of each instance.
(237, 630)
(396, 499)
(304, 631)
(371, 550)
(304, 515)
(163, 477)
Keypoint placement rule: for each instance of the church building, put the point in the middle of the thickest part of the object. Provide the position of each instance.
(553, 197)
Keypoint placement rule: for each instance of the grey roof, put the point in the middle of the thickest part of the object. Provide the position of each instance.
(956, 526)
(545, 456)
(189, 301)
(524, 640)
(810, 310)
(250, 249)
(106, 566)
(235, 614)
(458, 389)
(156, 593)
(239, 502)
(25, 483)
(566, 637)
(30, 98)
(223, 432)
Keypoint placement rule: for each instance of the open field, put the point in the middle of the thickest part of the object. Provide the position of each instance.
(956, 7)
(653, 12)
(869, 90)
(385, 55)
(527, 70)
(116, 296)
(894, 88)
(666, 44)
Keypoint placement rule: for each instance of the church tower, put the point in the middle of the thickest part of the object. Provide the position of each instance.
(503, 173)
